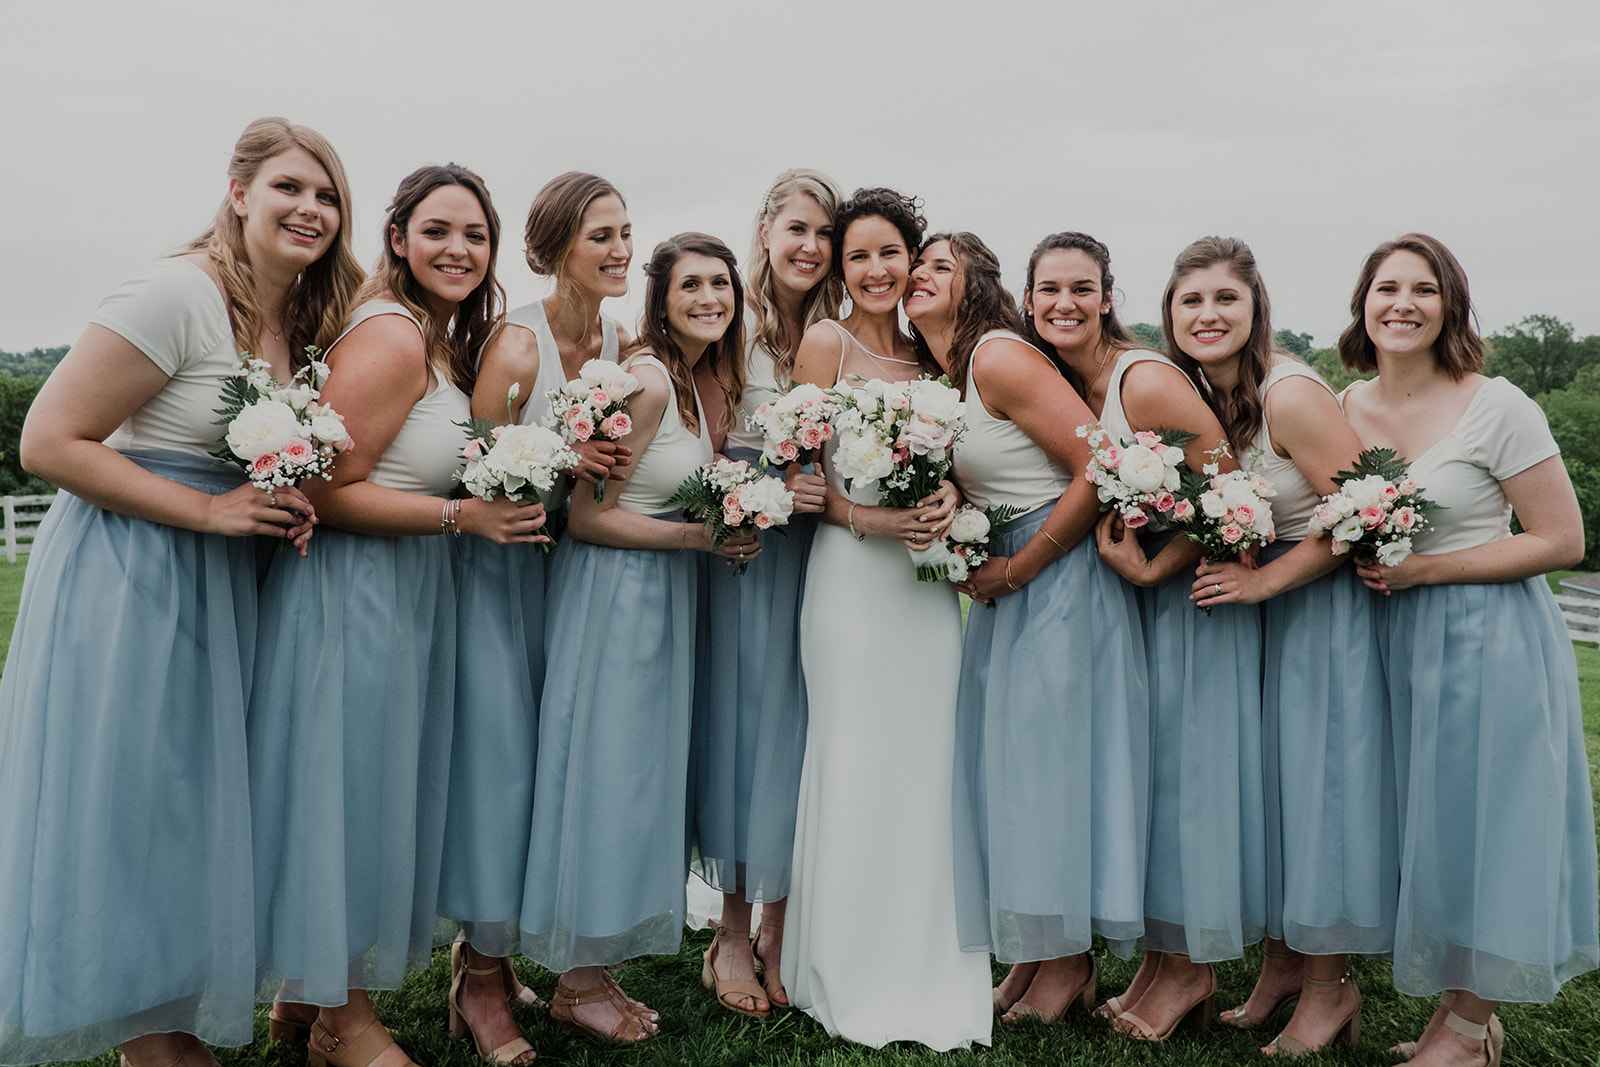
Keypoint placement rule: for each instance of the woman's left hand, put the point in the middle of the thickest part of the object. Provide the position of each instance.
(1403, 575)
(1229, 582)
(810, 490)
(988, 583)
(741, 547)
(936, 509)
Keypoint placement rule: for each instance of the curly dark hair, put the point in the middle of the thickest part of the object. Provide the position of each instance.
(902, 212)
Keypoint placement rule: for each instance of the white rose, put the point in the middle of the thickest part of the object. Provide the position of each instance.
(262, 427)
(328, 427)
(957, 568)
(969, 525)
(1213, 506)
(1348, 529)
(1394, 551)
(1142, 469)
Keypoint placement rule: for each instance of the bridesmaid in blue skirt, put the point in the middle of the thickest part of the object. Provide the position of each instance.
(578, 232)
(607, 859)
(1497, 845)
(1052, 784)
(1332, 864)
(124, 816)
(350, 729)
(750, 710)
(1205, 877)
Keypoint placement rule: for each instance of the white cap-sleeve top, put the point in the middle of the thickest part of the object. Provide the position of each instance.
(174, 313)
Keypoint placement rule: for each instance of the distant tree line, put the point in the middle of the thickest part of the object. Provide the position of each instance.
(21, 375)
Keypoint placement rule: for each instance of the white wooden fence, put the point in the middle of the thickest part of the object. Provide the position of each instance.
(1581, 613)
(22, 517)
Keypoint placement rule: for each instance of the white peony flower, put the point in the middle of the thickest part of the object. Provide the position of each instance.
(1142, 469)
(969, 525)
(262, 427)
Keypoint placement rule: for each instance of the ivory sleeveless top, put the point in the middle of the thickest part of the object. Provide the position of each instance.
(996, 463)
(425, 455)
(1296, 499)
(673, 455)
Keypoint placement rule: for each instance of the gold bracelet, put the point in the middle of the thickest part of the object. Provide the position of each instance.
(1053, 541)
(850, 521)
(1008, 575)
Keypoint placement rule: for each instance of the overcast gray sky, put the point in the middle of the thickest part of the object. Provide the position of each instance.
(1312, 132)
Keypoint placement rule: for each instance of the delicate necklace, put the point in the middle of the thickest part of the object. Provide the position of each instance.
(277, 335)
(1105, 360)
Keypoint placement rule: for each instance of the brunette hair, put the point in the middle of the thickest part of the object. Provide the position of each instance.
(1239, 410)
(1459, 349)
(453, 342)
(822, 300)
(902, 212)
(1112, 332)
(556, 216)
(316, 306)
(726, 354)
(985, 304)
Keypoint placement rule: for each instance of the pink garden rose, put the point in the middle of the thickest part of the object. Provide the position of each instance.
(1232, 533)
(617, 425)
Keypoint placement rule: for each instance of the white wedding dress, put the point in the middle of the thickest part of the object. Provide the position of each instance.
(870, 947)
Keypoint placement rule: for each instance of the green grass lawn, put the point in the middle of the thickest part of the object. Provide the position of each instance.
(696, 1031)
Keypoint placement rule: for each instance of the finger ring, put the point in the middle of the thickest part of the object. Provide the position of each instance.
(272, 500)
(916, 539)
(1217, 589)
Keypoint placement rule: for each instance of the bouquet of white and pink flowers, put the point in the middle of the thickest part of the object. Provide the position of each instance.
(730, 495)
(1377, 510)
(519, 461)
(901, 435)
(1225, 514)
(278, 433)
(594, 407)
(1141, 478)
(795, 425)
(965, 547)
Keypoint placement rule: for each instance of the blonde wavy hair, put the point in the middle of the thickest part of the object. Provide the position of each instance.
(316, 305)
(822, 302)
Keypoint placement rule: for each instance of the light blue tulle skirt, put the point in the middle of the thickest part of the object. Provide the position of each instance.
(1052, 761)
(1497, 839)
(1333, 865)
(749, 736)
(1205, 883)
(499, 676)
(350, 729)
(608, 856)
(125, 889)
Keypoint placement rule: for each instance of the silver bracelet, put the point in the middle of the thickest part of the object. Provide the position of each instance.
(850, 521)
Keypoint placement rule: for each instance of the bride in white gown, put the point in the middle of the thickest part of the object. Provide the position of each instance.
(870, 947)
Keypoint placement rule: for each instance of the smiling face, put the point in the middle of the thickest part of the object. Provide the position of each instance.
(700, 301)
(1404, 307)
(876, 264)
(799, 244)
(446, 245)
(602, 250)
(1211, 314)
(1066, 301)
(937, 285)
(290, 211)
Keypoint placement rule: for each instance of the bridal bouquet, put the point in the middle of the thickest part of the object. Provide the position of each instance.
(1225, 514)
(901, 435)
(519, 461)
(965, 547)
(794, 426)
(594, 407)
(279, 433)
(1140, 479)
(1377, 510)
(729, 495)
